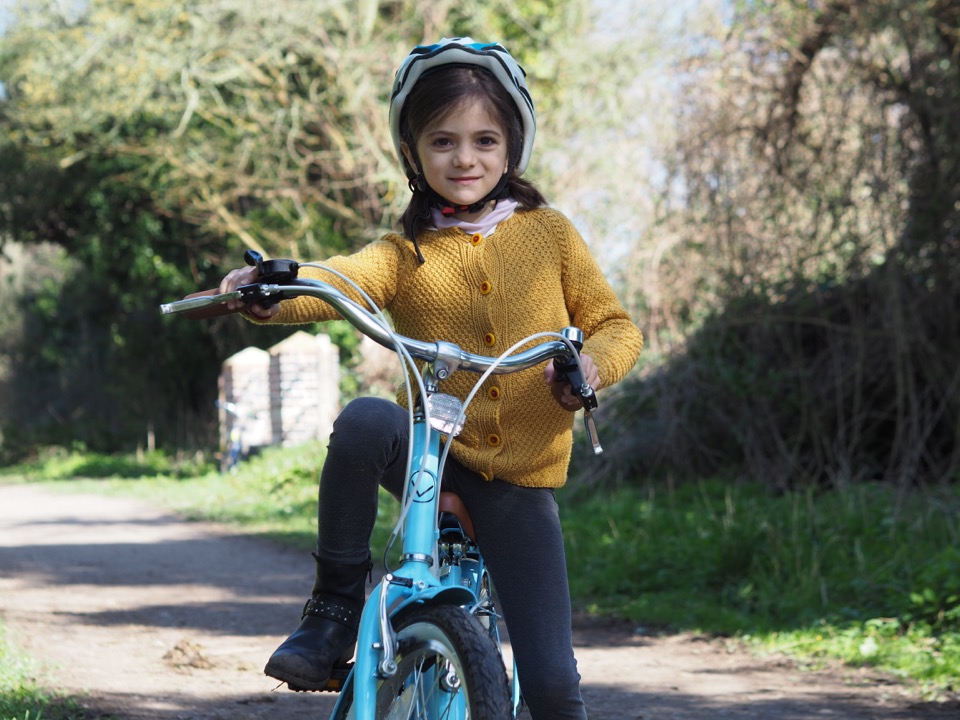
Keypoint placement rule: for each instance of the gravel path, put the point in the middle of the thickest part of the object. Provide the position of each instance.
(144, 616)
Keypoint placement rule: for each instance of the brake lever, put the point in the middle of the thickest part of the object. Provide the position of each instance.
(588, 398)
(270, 272)
(590, 425)
(570, 371)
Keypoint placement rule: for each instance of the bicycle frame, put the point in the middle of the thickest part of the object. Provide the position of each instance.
(417, 579)
(414, 581)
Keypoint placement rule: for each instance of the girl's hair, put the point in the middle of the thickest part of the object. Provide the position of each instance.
(440, 92)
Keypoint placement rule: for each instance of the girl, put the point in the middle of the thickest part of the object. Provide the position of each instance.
(482, 262)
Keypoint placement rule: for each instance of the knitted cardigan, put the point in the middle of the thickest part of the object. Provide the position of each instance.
(533, 273)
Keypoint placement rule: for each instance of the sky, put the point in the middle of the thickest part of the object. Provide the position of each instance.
(5, 6)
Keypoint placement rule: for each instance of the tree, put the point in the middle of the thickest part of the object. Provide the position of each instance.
(154, 140)
(819, 165)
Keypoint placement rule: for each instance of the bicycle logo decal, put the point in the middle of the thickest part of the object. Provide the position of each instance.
(423, 487)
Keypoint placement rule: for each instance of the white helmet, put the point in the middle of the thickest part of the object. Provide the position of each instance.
(465, 51)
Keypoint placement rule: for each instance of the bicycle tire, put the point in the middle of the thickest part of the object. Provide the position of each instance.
(472, 686)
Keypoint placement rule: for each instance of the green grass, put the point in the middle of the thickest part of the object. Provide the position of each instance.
(21, 696)
(62, 464)
(273, 495)
(862, 575)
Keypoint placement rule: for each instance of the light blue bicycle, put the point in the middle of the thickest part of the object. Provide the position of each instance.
(428, 645)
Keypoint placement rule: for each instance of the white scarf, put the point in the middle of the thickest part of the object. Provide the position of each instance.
(485, 226)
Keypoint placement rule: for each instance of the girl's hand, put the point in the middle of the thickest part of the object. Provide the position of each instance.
(245, 276)
(561, 389)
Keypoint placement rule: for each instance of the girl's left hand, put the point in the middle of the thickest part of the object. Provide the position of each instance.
(561, 389)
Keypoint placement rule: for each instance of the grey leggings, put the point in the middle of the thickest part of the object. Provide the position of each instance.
(517, 528)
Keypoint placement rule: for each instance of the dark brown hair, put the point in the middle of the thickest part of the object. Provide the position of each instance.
(440, 92)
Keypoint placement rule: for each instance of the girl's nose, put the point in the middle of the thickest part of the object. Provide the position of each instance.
(464, 156)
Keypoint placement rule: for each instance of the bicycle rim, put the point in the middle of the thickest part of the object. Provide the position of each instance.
(448, 669)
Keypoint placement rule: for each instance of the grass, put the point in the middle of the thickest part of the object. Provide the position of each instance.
(273, 495)
(863, 575)
(21, 696)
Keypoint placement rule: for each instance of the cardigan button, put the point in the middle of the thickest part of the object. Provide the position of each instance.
(493, 392)
(476, 239)
(489, 339)
(485, 287)
(493, 440)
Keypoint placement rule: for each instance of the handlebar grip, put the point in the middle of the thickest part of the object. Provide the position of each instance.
(566, 366)
(568, 369)
(210, 311)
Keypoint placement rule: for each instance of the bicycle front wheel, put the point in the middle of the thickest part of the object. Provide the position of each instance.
(448, 668)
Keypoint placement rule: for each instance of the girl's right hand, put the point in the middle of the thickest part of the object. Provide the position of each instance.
(245, 276)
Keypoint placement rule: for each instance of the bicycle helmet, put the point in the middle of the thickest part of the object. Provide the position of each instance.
(493, 57)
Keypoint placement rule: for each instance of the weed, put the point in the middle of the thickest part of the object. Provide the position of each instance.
(21, 696)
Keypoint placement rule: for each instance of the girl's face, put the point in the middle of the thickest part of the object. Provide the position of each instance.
(463, 155)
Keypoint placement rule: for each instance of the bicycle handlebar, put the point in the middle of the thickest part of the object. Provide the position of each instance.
(369, 325)
(445, 357)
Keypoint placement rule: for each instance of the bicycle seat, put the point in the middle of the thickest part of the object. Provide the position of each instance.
(451, 503)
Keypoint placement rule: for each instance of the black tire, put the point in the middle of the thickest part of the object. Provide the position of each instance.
(471, 670)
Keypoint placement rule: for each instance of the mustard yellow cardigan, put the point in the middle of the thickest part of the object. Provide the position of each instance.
(532, 274)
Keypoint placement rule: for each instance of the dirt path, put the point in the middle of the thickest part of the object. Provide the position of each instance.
(147, 617)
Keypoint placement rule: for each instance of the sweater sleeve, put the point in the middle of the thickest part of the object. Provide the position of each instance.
(611, 338)
(374, 268)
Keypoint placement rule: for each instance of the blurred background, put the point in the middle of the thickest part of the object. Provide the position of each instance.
(773, 188)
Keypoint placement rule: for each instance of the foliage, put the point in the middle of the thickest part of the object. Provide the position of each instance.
(56, 463)
(862, 574)
(153, 141)
(807, 299)
(262, 122)
(804, 390)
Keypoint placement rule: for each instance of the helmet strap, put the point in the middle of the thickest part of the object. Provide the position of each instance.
(446, 207)
(418, 183)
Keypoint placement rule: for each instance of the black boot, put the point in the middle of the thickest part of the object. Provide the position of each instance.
(327, 634)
